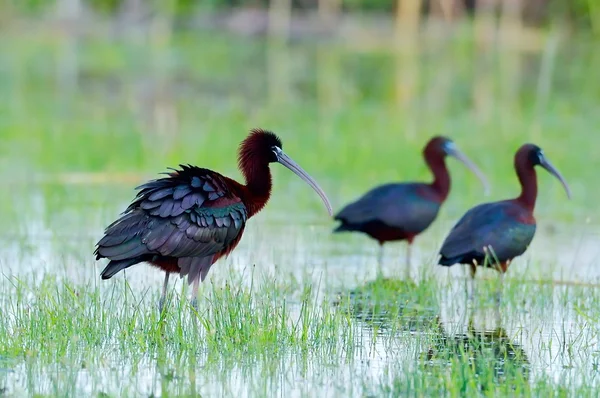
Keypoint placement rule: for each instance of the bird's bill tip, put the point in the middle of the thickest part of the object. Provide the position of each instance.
(286, 161)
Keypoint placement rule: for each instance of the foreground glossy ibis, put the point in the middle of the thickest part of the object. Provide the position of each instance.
(185, 222)
(401, 211)
(492, 234)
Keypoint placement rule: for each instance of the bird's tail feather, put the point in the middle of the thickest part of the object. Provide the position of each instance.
(115, 266)
(449, 261)
(342, 228)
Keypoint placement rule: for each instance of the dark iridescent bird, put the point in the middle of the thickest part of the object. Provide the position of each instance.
(492, 234)
(185, 222)
(401, 211)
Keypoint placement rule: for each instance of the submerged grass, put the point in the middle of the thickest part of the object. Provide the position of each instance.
(65, 339)
(236, 322)
(81, 328)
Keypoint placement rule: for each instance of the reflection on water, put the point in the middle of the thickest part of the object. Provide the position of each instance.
(388, 305)
(490, 354)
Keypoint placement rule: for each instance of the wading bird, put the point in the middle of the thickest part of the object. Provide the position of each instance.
(401, 211)
(185, 222)
(492, 234)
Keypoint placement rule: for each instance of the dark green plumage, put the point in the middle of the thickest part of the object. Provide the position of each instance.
(186, 218)
(505, 226)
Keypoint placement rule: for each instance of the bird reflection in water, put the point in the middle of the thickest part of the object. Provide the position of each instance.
(387, 304)
(487, 356)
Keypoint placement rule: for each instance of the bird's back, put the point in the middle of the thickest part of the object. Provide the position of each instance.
(193, 213)
(410, 206)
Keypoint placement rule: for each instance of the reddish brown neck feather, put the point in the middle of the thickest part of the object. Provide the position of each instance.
(255, 169)
(528, 180)
(441, 177)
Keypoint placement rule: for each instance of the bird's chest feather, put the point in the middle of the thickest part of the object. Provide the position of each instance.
(520, 215)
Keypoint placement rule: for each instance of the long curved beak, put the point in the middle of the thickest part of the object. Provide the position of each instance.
(545, 163)
(299, 171)
(456, 153)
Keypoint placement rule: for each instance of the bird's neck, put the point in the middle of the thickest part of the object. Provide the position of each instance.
(258, 187)
(528, 180)
(441, 177)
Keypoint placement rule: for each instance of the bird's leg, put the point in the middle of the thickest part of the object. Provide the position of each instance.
(408, 257)
(194, 301)
(470, 281)
(498, 301)
(500, 288)
(498, 298)
(467, 285)
(380, 261)
(161, 301)
(501, 267)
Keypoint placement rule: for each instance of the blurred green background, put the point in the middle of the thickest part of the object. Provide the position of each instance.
(581, 12)
(98, 96)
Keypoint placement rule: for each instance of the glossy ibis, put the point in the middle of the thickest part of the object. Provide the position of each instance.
(185, 222)
(492, 234)
(401, 211)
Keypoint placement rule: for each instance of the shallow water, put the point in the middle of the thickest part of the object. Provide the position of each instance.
(543, 335)
(51, 237)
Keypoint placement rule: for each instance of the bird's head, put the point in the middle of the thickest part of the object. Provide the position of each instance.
(531, 155)
(439, 147)
(262, 147)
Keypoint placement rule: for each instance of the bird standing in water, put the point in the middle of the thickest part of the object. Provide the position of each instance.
(493, 234)
(401, 211)
(185, 222)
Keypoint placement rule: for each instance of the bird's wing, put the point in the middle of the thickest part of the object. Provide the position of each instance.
(490, 224)
(397, 205)
(191, 213)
